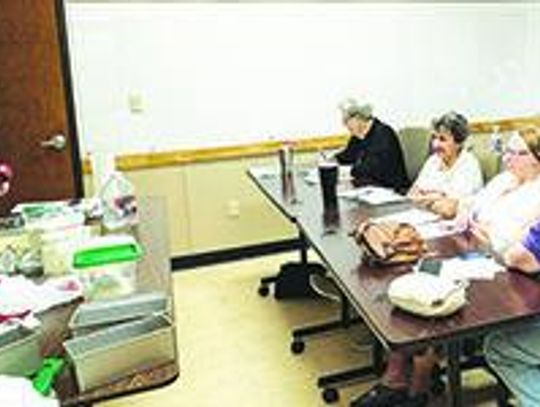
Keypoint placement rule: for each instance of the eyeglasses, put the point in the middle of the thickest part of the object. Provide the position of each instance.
(516, 152)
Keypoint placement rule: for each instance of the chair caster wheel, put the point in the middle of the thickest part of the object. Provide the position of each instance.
(330, 395)
(263, 290)
(297, 346)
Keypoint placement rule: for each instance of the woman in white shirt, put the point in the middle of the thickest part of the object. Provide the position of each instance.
(451, 173)
(502, 212)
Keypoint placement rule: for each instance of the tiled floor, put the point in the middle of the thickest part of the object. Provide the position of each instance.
(234, 345)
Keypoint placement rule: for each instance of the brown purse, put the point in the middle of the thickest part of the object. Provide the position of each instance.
(389, 243)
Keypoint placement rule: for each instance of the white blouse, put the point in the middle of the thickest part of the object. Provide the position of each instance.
(507, 209)
(462, 179)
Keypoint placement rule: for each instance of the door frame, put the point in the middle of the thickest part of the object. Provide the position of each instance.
(63, 43)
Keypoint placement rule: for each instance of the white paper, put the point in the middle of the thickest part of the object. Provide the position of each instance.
(373, 195)
(18, 294)
(312, 176)
(18, 392)
(263, 172)
(413, 216)
(479, 268)
(433, 230)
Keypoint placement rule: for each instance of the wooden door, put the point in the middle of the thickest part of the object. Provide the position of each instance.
(36, 103)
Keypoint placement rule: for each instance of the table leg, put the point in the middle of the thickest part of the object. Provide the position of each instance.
(454, 375)
(303, 247)
(345, 309)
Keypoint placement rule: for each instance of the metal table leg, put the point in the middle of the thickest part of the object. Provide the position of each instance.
(454, 374)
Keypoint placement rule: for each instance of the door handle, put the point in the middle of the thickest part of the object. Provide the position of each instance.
(57, 143)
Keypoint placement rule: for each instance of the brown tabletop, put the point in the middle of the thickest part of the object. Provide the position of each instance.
(510, 298)
(153, 274)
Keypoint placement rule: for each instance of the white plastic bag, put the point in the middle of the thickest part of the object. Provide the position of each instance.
(119, 204)
(427, 295)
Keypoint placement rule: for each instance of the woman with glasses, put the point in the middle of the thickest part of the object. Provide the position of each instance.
(451, 173)
(501, 213)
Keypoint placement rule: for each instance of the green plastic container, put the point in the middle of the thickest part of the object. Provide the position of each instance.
(107, 266)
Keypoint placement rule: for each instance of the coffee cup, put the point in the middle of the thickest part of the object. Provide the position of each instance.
(328, 176)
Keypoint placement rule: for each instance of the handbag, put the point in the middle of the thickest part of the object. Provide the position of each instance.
(427, 295)
(389, 243)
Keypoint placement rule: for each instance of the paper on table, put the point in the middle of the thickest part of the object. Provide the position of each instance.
(18, 293)
(413, 216)
(478, 268)
(433, 230)
(263, 172)
(373, 195)
(312, 176)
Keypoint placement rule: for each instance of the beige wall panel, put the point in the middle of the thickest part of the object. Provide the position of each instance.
(226, 210)
(213, 205)
(88, 185)
(170, 183)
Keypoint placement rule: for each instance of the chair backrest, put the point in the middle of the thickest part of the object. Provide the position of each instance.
(415, 144)
(480, 144)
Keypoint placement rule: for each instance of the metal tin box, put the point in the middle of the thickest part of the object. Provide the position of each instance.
(19, 352)
(112, 353)
(92, 316)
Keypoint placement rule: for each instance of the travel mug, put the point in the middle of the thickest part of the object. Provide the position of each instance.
(328, 175)
(285, 154)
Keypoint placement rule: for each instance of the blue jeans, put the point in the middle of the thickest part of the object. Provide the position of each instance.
(515, 356)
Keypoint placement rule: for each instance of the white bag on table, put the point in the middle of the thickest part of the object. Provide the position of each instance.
(427, 295)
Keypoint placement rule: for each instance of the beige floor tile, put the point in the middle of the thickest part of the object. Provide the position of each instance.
(234, 344)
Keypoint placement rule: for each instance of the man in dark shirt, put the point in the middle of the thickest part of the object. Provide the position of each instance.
(373, 149)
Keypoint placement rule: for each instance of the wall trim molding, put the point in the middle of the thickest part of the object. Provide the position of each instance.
(137, 161)
(189, 261)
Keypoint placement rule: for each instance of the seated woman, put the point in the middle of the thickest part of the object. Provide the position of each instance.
(451, 173)
(500, 214)
(515, 354)
(373, 149)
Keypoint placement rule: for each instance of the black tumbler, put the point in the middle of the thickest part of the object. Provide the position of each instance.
(328, 175)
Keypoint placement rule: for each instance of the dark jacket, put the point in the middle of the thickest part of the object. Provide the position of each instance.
(377, 159)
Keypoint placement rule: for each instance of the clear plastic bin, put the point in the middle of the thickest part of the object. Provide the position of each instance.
(107, 266)
(93, 316)
(112, 353)
(19, 351)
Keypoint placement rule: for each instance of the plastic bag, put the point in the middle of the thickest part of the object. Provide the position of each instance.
(119, 204)
(427, 295)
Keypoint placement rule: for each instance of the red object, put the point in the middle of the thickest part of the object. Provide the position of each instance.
(15, 315)
(6, 173)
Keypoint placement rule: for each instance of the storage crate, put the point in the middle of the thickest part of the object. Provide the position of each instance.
(112, 353)
(93, 316)
(106, 266)
(19, 352)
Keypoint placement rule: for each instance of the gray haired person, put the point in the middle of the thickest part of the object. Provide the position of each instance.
(451, 174)
(373, 149)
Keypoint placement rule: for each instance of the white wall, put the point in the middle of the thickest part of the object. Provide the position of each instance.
(222, 74)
